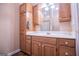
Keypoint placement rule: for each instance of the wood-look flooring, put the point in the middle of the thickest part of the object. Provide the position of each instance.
(20, 54)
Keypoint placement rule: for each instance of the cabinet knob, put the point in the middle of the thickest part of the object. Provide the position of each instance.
(42, 45)
(66, 53)
(66, 42)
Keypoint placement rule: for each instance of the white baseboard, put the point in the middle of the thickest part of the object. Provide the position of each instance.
(16, 51)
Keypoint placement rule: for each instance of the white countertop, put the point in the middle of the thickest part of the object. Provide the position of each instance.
(57, 34)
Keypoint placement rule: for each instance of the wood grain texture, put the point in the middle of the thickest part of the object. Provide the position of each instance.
(64, 12)
(22, 27)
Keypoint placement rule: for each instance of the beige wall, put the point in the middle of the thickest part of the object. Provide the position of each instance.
(9, 28)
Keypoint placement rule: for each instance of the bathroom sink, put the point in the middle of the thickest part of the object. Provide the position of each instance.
(52, 34)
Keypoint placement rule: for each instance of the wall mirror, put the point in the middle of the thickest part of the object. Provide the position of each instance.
(54, 17)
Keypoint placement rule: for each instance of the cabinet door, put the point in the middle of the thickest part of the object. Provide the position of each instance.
(22, 42)
(36, 48)
(64, 12)
(22, 23)
(28, 46)
(35, 16)
(66, 51)
(23, 8)
(48, 50)
(29, 17)
(22, 28)
(29, 7)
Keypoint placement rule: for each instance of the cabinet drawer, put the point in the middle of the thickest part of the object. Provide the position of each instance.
(28, 37)
(66, 42)
(37, 38)
(66, 51)
(44, 39)
(49, 40)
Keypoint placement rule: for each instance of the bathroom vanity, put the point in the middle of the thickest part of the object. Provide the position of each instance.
(42, 44)
(47, 33)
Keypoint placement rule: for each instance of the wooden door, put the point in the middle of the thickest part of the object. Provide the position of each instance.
(22, 32)
(29, 17)
(23, 8)
(36, 48)
(29, 7)
(64, 12)
(28, 45)
(66, 51)
(22, 28)
(35, 16)
(22, 23)
(48, 50)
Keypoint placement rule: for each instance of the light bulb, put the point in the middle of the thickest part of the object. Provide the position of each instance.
(46, 8)
(43, 5)
(53, 6)
(51, 3)
(57, 8)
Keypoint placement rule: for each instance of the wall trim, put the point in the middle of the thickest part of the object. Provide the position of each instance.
(11, 53)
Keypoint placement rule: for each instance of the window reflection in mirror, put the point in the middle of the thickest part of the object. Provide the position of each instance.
(49, 18)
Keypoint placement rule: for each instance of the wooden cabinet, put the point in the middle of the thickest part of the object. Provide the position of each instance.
(42, 46)
(47, 46)
(66, 47)
(23, 8)
(66, 51)
(36, 48)
(64, 12)
(29, 16)
(67, 42)
(35, 16)
(48, 49)
(24, 44)
(22, 28)
(29, 7)
(22, 23)
(28, 45)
